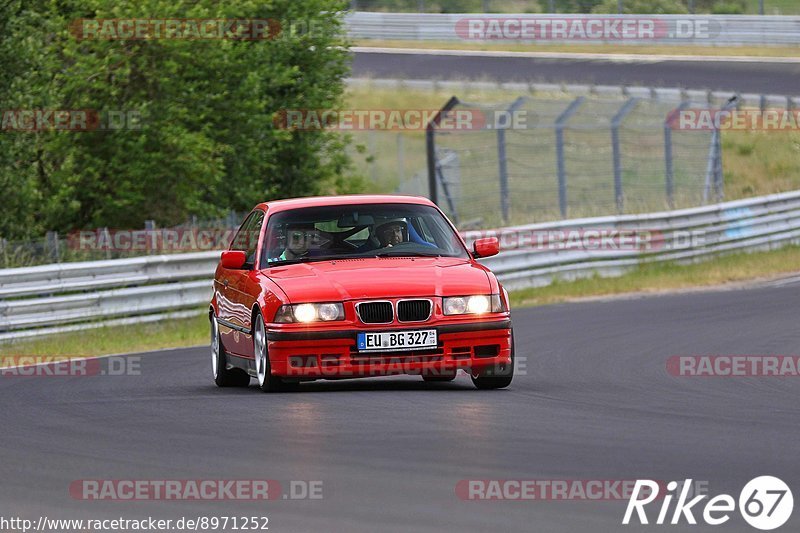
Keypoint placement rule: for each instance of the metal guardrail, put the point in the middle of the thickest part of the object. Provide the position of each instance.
(54, 298)
(705, 30)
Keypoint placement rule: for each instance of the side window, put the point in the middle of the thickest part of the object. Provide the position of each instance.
(239, 242)
(246, 239)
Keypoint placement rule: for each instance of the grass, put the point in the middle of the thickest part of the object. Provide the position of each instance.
(662, 277)
(579, 48)
(110, 340)
(650, 278)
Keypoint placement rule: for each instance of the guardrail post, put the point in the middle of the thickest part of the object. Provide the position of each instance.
(615, 124)
(562, 171)
(430, 145)
(505, 204)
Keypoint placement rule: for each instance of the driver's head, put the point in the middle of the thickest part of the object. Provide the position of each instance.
(299, 237)
(391, 233)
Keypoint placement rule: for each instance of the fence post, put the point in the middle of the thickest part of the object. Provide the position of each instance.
(562, 171)
(373, 166)
(107, 240)
(760, 7)
(52, 246)
(714, 167)
(615, 123)
(505, 204)
(430, 145)
(691, 7)
(447, 196)
(719, 181)
(619, 7)
(670, 173)
(150, 235)
(401, 157)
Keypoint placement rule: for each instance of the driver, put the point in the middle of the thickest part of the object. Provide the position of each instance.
(392, 233)
(299, 238)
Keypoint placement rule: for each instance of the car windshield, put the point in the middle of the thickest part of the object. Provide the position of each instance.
(353, 231)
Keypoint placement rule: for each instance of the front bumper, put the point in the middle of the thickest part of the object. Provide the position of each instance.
(320, 354)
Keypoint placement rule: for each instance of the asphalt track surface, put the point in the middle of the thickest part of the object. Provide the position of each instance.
(753, 77)
(595, 402)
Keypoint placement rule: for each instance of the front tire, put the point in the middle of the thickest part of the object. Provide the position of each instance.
(497, 377)
(266, 381)
(224, 376)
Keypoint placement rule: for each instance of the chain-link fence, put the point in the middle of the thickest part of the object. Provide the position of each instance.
(586, 156)
(194, 235)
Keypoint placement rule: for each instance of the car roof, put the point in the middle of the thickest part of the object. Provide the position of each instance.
(349, 199)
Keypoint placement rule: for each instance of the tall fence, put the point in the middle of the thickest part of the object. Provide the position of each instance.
(55, 298)
(396, 161)
(768, 7)
(680, 30)
(543, 159)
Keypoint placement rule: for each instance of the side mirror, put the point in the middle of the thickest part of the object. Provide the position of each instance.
(486, 247)
(233, 259)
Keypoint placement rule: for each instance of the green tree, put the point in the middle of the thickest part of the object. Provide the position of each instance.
(206, 141)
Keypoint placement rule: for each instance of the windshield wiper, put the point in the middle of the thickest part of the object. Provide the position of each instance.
(304, 259)
(405, 254)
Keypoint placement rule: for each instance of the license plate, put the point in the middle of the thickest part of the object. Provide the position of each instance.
(397, 340)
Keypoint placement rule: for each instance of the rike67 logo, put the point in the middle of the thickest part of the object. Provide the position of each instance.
(765, 503)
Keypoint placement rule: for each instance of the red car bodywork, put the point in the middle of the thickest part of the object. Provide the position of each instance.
(301, 351)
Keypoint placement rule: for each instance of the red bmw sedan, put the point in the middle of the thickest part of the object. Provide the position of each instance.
(356, 286)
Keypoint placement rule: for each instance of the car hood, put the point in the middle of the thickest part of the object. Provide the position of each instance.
(369, 278)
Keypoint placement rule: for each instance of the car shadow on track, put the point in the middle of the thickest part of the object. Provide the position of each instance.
(374, 384)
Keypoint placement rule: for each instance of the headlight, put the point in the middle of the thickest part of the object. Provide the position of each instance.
(473, 305)
(305, 313)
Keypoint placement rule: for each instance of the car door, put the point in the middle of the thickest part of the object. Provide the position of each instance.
(234, 312)
(247, 285)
